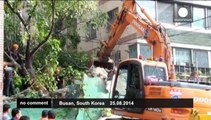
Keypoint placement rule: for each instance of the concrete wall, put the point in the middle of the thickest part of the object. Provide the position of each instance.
(1, 53)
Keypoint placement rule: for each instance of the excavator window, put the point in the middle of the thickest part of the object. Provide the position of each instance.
(134, 88)
(129, 83)
(121, 82)
(134, 80)
(155, 71)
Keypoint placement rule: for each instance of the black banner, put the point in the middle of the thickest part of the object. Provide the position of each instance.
(105, 103)
(34, 103)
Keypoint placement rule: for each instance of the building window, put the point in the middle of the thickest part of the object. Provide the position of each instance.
(91, 31)
(112, 16)
(133, 51)
(200, 58)
(209, 19)
(116, 56)
(182, 56)
(198, 17)
(145, 51)
(149, 6)
(177, 6)
(165, 12)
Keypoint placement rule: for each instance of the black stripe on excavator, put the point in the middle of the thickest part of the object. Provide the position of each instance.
(107, 65)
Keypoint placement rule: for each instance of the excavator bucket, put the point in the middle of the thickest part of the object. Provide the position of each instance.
(104, 64)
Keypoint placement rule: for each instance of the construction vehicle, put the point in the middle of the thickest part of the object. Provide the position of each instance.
(154, 78)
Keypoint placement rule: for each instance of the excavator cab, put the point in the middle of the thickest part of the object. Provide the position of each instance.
(142, 79)
(132, 76)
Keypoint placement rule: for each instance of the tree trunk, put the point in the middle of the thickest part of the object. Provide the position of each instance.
(28, 62)
(29, 67)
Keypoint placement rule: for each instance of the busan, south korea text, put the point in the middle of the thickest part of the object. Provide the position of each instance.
(104, 103)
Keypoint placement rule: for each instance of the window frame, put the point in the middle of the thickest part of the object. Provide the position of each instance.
(91, 33)
(114, 13)
(190, 55)
(199, 19)
(158, 11)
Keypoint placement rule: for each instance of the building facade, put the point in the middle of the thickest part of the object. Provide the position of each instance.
(190, 41)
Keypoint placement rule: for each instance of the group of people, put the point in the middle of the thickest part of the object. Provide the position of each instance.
(16, 59)
(9, 69)
(16, 114)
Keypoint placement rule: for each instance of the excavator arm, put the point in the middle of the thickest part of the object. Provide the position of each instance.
(154, 34)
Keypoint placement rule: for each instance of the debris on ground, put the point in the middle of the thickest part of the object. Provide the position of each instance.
(101, 79)
(93, 87)
(104, 74)
(70, 91)
(98, 72)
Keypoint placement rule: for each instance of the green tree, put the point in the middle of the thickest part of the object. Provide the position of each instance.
(35, 30)
(35, 23)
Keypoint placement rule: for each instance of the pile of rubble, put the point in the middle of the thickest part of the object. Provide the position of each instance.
(98, 72)
(95, 86)
(102, 74)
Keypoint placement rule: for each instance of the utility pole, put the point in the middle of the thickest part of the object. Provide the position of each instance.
(1, 54)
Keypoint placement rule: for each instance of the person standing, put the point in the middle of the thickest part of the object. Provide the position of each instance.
(59, 79)
(6, 111)
(24, 117)
(51, 115)
(8, 81)
(16, 59)
(44, 115)
(16, 114)
(14, 53)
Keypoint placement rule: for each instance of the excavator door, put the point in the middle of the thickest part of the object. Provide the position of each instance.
(129, 84)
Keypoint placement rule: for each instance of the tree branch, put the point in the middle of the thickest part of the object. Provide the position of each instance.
(47, 37)
(62, 29)
(33, 9)
(15, 12)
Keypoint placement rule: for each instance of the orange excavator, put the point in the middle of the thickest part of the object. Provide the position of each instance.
(138, 78)
(154, 34)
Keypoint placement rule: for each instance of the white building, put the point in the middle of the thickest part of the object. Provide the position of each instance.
(191, 42)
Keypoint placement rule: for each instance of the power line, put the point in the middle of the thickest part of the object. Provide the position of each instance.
(206, 27)
(187, 32)
(194, 21)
